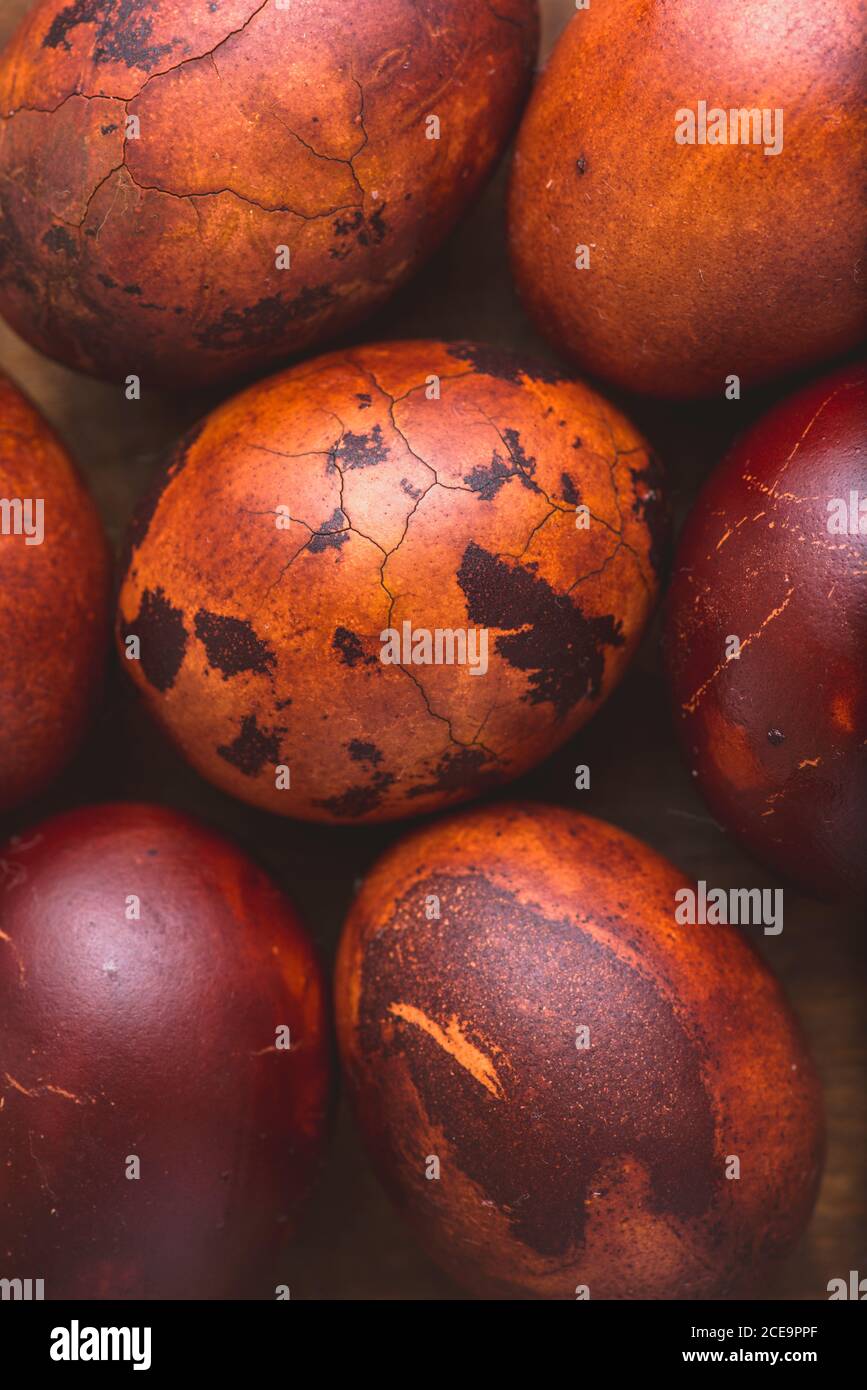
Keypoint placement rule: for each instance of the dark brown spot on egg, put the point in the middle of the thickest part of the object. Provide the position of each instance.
(550, 638)
(159, 626)
(232, 645)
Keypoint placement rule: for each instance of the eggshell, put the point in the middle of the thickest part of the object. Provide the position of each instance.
(147, 967)
(776, 735)
(554, 1079)
(447, 487)
(194, 190)
(705, 260)
(54, 575)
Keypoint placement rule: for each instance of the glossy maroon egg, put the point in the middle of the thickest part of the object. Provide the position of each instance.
(156, 1132)
(766, 637)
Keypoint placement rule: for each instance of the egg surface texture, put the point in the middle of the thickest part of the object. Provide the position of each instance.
(555, 1080)
(54, 580)
(391, 578)
(192, 190)
(163, 1060)
(766, 637)
(689, 191)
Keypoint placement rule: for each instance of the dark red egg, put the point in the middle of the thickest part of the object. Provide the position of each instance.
(554, 1078)
(163, 1060)
(766, 637)
(54, 577)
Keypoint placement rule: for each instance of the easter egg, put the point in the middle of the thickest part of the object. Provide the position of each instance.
(567, 1093)
(54, 573)
(390, 578)
(766, 635)
(163, 1060)
(688, 191)
(193, 190)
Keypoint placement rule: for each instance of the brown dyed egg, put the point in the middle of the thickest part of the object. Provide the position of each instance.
(766, 636)
(54, 572)
(163, 1060)
(390, 578)
(193, 190)
(554, 1079)
(688, 193)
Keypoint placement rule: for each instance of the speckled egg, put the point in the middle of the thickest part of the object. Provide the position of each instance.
(192, 190)
(689, 198)
(54, 575)
(554, 1079)
(391, 578)
(163, 1060)
(766, 637)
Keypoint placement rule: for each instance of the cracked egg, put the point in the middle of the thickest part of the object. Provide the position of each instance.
(554, 1079)
(163, 1060)
(688, 191)
(193, 190)
(54, 579)
(391, 578)
(766, 636)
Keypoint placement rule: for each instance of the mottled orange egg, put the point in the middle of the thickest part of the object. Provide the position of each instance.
(54, 577)
(194, 189)
(567, 1093)
(391, 578)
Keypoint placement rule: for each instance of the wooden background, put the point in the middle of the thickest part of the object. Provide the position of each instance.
(351, 1244)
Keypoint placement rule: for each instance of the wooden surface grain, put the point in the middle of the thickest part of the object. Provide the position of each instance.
(352, 1245)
